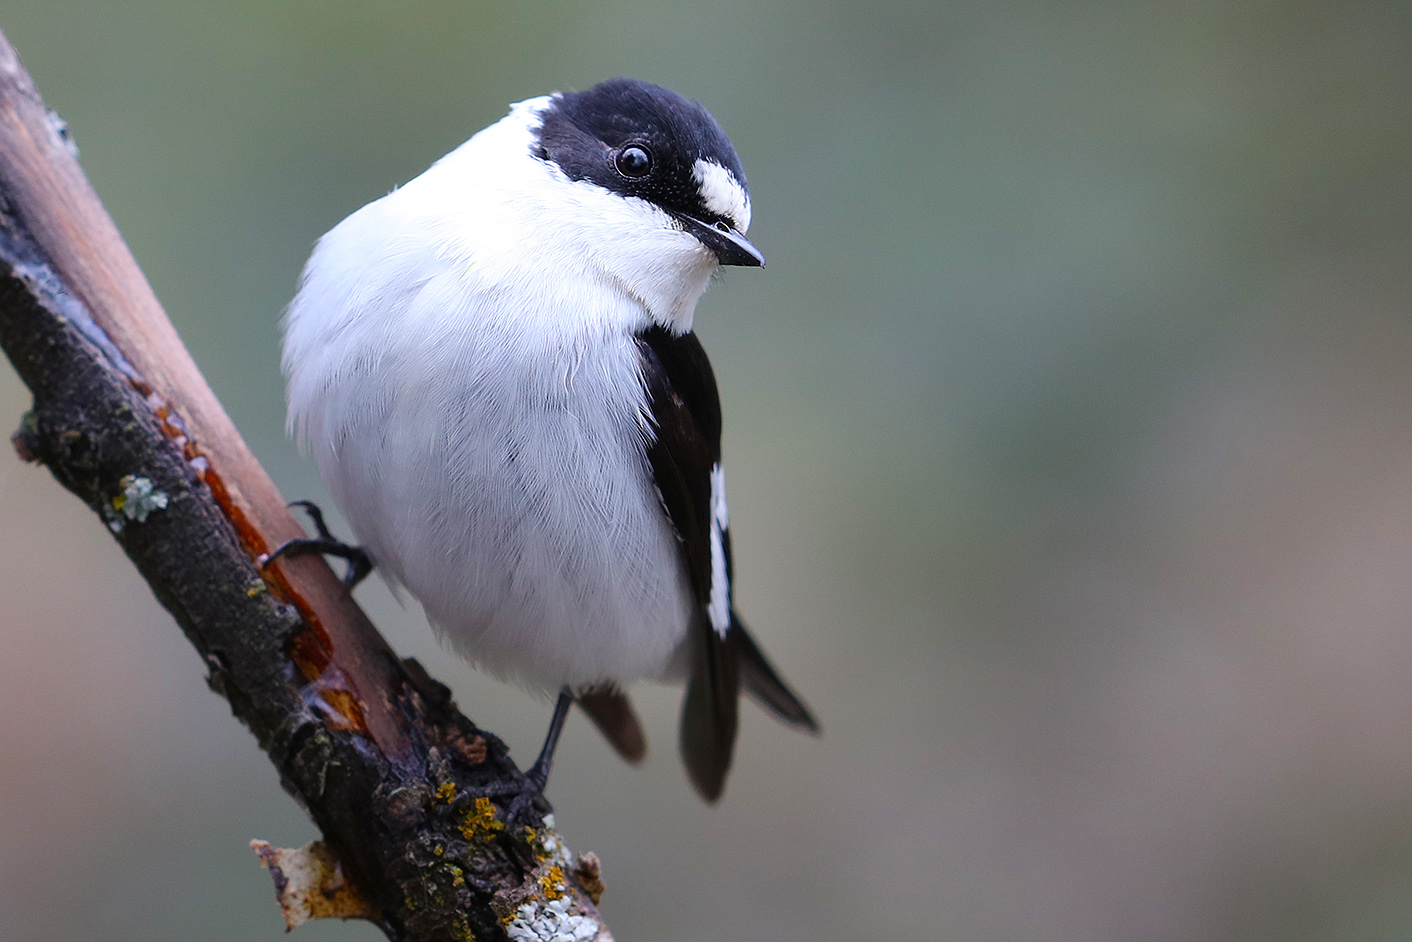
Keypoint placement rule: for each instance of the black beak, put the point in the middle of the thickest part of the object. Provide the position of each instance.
(731, 247)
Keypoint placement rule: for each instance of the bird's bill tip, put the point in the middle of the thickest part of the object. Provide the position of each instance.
(729, 246)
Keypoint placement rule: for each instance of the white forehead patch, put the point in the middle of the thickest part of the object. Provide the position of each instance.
(722, 193)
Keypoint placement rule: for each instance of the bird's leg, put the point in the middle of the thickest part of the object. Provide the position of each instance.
(539, 772)
(359, 562)
(537, 778)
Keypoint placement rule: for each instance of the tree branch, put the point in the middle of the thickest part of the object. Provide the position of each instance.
(406, 790)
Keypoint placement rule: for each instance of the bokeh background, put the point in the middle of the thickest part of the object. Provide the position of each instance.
(1068, 429)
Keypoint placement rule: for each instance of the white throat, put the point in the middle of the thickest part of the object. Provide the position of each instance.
(512, 217)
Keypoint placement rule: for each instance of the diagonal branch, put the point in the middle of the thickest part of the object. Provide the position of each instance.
(406, 790)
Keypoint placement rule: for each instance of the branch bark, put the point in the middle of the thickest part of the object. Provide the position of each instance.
(406, 790)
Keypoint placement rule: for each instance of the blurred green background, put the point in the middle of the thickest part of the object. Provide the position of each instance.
(1071, 468)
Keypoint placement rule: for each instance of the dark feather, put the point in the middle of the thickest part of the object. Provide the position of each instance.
(684, 449)
(710, 712)
(686, 417)
(611, 711)
(760, 679)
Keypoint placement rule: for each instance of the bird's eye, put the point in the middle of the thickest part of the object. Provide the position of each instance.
(634, 161)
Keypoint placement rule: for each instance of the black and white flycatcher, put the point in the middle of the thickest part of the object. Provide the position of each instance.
(494, 368)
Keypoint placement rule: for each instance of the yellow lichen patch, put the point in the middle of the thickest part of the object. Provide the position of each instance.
(552, 883)
(480, 822)
(536, 846)
(446, 792)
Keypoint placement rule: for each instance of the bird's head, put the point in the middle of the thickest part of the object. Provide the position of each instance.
(645, 143)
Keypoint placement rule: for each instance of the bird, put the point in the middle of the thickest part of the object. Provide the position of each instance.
(495, 371)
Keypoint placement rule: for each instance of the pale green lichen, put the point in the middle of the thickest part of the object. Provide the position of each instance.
(550, 922)
(550, 914)
(137, 500)
(552, 846)
(29, 422)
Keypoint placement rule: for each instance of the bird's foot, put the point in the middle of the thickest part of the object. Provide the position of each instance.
(528, 804)
(359, 562)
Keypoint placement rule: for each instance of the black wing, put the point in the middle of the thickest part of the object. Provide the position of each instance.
(685, 454)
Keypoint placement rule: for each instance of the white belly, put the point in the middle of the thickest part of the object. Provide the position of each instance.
(506, 486)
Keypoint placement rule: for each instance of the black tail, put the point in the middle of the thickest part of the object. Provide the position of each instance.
(710, 714)
(763, 682)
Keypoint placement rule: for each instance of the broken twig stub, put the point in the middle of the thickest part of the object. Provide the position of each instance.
(310, 884)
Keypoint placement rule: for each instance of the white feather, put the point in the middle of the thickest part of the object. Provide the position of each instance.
(718, 606)
(722, 192)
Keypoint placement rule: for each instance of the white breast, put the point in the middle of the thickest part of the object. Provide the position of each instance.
(461, 364)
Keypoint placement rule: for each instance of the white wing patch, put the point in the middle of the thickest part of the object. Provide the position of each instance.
(719, 606)
(722, 193)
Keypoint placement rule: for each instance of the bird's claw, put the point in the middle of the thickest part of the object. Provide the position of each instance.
(359, 562)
